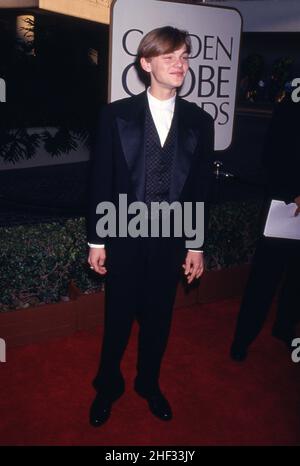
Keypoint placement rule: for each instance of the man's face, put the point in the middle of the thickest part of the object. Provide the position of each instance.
(168, 70)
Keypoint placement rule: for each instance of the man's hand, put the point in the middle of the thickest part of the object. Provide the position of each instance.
(193, 266)
(96, 260)
(297, 201)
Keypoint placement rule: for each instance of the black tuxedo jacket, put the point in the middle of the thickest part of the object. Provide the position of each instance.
(118, 162)
(281, 157)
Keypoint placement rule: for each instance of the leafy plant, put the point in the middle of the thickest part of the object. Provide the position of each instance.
(40, 261)
(61, 142)
(18, 145)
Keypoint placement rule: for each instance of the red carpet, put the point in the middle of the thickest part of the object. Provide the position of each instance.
(46, 390)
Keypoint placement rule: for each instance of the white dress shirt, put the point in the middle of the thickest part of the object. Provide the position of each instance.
(162, 112)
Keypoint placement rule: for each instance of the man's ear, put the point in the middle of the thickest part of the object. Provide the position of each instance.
(145, 64)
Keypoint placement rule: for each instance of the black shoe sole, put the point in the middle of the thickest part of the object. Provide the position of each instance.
(147, 397)
(105, 418)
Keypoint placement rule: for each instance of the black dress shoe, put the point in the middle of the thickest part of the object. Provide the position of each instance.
(100, 410)
(160, 407)
(101, 406)
(238, 353)
(158, 404)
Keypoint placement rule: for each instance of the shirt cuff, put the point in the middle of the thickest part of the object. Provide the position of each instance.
(103, 246)
(96, 245)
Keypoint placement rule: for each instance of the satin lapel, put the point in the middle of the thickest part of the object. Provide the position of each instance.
(131, 130)
(187, 139)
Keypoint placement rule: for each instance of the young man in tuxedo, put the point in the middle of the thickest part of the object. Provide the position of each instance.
(153, 147)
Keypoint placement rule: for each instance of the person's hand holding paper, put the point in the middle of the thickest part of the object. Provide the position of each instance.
(297, 202)
(281, 221)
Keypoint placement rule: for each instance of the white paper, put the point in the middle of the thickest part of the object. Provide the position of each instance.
(281, 221)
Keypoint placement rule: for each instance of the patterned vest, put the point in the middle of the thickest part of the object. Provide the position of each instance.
(159, 161)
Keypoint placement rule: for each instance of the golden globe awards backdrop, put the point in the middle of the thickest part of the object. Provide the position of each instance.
(215, 34)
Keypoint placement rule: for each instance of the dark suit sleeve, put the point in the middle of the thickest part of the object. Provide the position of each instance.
(101, 173)
(202, 170)
(281, 154)
(206, 170)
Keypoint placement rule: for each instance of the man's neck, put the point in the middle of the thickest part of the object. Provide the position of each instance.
(161, 93)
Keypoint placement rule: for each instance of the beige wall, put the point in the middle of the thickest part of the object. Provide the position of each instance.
(266, 16)
(94, 10)
(18, 3)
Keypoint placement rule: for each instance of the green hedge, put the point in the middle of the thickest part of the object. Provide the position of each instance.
(39, 261)
(232, 234)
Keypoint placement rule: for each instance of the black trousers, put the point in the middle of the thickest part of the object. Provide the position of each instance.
(276, 262)
(145, 290)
